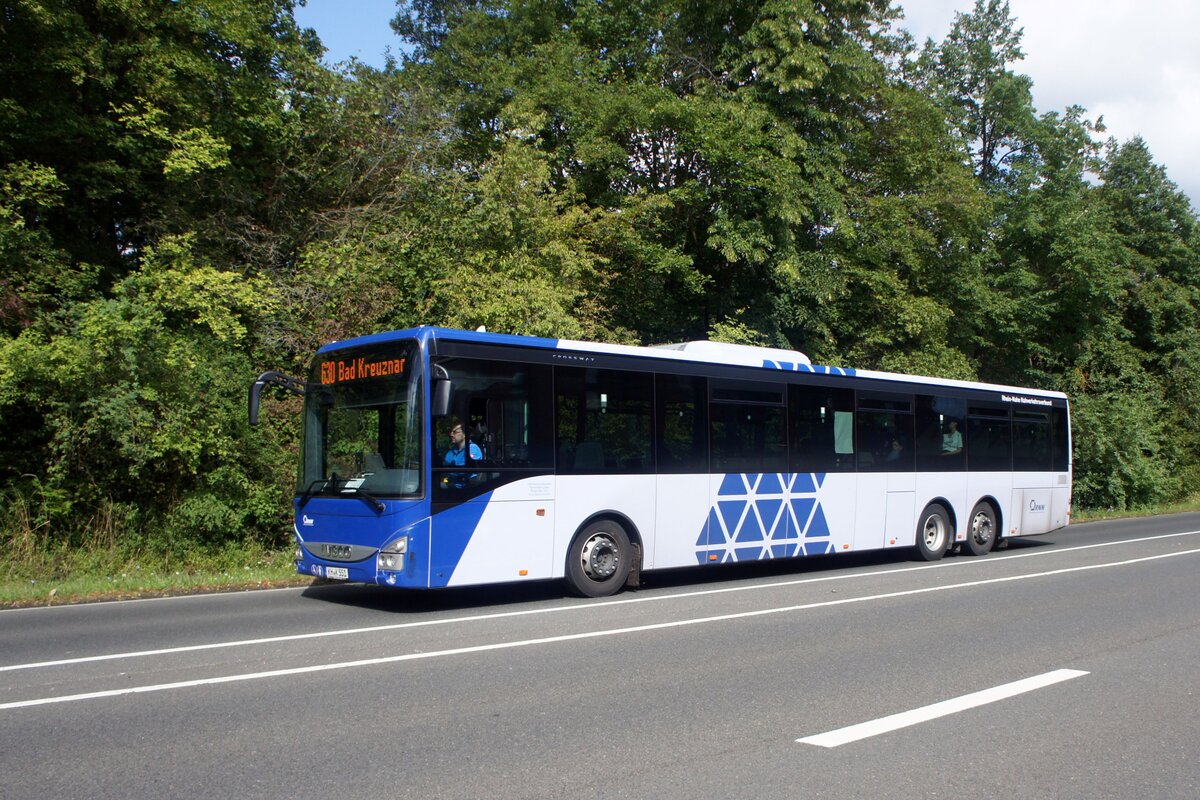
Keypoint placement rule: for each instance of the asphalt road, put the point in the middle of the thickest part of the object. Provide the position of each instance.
(714, 683)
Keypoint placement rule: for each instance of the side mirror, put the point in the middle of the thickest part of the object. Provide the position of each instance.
(440, 402)
(293, 385)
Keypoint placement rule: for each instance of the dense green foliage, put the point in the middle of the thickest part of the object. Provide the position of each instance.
(188, 196)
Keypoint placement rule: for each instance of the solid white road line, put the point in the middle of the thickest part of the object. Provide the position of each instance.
(875, 727)
(575, 636)
(576, 607)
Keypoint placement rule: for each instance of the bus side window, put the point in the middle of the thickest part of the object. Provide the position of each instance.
(821, 426)
(603, 420)
(941, 432)
(1032, 447)
(989, 438)
(682, 424)
(885, 433)
(747, 427)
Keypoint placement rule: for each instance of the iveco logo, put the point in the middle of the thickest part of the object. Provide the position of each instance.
(339, 551)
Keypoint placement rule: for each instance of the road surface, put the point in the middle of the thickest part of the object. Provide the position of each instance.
(1066, 666)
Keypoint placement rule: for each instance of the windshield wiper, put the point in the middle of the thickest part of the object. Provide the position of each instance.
(370, 499)
(331, 484)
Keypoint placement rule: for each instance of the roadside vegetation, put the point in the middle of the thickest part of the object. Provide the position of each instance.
(189, 196)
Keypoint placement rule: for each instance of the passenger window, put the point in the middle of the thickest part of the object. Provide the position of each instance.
(1032, 442)
(822, 429)
(682, 415)
(941, 434)
(885, 434)
(603, 420)
(747, 427)
(989, 439)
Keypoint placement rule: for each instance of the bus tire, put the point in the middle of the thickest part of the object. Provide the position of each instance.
(981, 531)
(599, 559)
(933, 533)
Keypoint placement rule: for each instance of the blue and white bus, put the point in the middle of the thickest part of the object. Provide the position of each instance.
(434, 458)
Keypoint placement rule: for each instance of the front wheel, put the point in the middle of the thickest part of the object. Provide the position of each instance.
(981, 537)
(599, 560)
(933, 533)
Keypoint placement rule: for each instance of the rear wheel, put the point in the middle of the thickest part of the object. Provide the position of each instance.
(599, 559)
(933, 533)
(981, 537)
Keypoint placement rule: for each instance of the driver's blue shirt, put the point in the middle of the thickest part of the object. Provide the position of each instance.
(458, 458)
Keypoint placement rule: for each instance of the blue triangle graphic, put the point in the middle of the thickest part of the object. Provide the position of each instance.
(818, 526)
(749, 553)
(732, 485)
(750, 531)
(803, 484)
(731, 513)
(770, 484)
(802, 509)
(774, 524)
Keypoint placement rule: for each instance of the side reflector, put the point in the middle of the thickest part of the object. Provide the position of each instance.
(523, 573)
(712, 558)
(541, 512)
(845, 547)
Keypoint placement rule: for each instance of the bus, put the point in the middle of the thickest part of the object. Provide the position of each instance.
(436, 458)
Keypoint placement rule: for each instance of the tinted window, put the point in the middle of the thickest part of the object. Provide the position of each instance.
(602, 420)
(822, 429)
(682, 424)
(885, 437)
(941, 433)
(989, 441)
(747, 438)
(1031, 440)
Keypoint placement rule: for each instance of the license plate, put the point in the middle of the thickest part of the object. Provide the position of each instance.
(337, 573)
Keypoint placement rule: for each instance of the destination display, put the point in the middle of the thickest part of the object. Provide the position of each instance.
(361, 368)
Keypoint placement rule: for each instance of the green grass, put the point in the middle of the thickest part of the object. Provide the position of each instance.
(1191, 503)
(54, 578)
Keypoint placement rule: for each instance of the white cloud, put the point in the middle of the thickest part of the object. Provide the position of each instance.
(1135, 63)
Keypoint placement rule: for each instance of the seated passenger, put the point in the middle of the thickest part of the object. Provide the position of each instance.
(952, 442)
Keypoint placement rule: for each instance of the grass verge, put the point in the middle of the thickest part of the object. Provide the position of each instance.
(59, 578)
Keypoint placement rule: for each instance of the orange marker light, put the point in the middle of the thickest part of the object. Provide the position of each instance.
(712, 558)
(541, 512)
(523, 573)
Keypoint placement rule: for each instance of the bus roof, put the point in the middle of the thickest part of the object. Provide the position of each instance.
(704, 352)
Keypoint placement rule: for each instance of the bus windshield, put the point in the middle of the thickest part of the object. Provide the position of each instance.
(362, 424)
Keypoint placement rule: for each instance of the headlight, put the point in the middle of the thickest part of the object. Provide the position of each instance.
(391, 556)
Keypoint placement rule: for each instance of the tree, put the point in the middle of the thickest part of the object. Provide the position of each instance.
(989, 105)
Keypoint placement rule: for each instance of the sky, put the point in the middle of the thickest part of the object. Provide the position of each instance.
(1134, 62)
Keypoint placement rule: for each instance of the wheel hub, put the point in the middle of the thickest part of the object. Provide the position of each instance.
(600, 559)
(981, 528)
